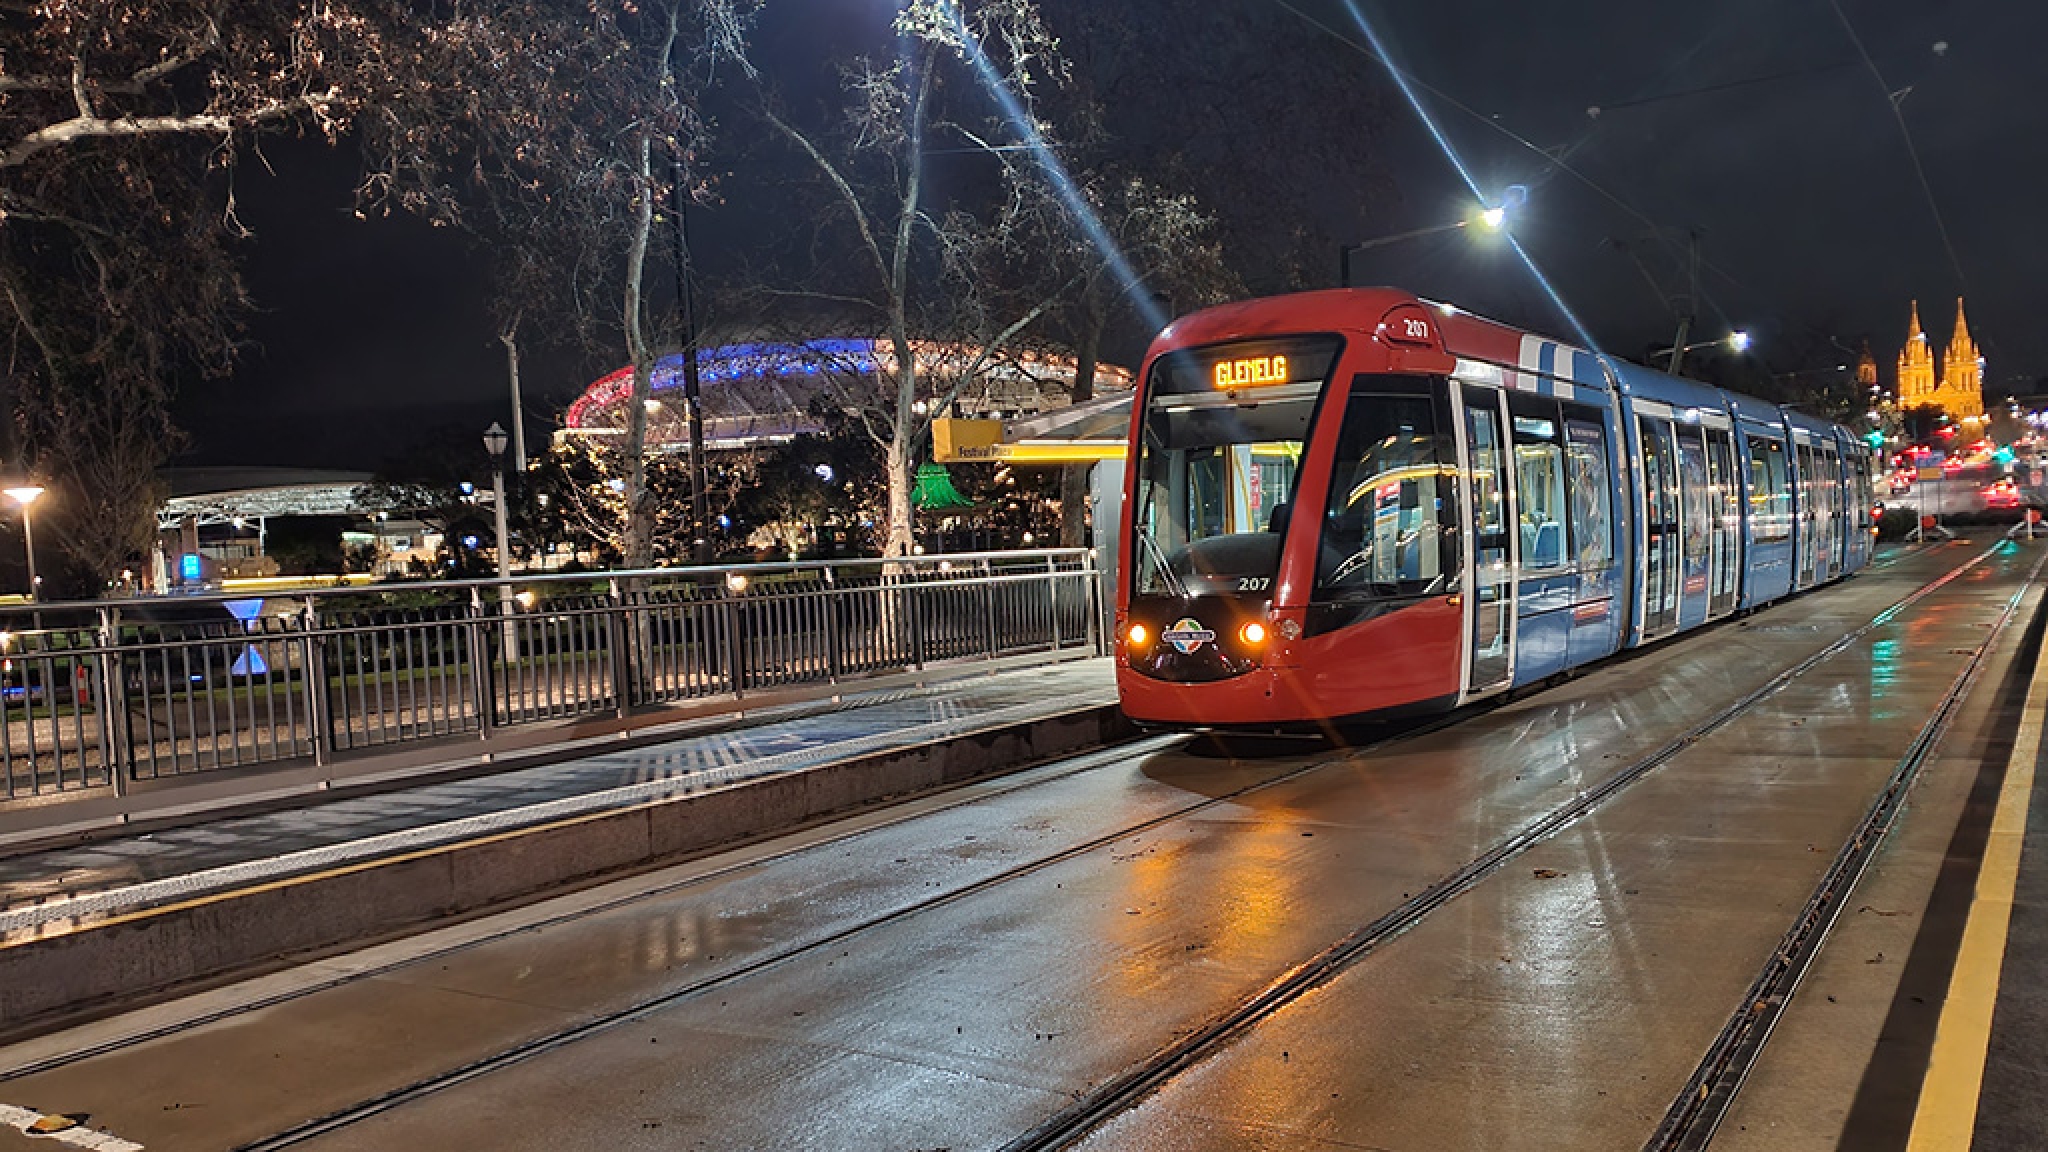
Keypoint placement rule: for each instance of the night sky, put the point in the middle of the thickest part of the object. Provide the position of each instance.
(1758, 122)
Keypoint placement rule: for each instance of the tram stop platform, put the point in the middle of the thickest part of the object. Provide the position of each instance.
(117, 918)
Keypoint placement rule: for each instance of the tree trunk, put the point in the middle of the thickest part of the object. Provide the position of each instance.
(638, 545)
(1074, 480)
(901, 464)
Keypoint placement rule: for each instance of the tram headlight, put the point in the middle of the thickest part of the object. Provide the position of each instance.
(1253, 633)
(1138, 636)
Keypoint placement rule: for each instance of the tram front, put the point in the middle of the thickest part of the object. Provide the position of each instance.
(1293, 545)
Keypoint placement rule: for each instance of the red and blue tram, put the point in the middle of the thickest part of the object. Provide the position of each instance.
(1357, 504)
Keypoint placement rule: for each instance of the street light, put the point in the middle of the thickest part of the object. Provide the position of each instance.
(26, 496)
(1491, 219)
(1736, 341)
(495, 438)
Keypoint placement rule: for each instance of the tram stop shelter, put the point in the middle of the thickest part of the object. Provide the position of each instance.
(1093, 432)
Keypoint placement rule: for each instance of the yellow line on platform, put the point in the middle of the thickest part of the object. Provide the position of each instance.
(1946, 1118)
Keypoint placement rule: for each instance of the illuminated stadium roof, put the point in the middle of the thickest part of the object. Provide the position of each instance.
(763, 392)
(211, 496)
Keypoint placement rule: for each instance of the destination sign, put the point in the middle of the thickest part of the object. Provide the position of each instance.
(1251, 372)
(1245, 365)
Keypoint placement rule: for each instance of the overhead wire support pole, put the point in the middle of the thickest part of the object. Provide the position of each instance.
(1685, 315)
(686, 315)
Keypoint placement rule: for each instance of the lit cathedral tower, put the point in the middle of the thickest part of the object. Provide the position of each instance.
(1916, 367)
(1962, 373)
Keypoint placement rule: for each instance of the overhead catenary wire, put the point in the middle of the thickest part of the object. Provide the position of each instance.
(1554, 158)
(1892, 100)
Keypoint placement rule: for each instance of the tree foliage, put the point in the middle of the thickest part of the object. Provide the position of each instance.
(576, 492)
(965, 75)
(1276, 116)
(121, 122)
(566, 131)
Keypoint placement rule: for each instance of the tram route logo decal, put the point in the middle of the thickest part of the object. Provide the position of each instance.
(1187, 635)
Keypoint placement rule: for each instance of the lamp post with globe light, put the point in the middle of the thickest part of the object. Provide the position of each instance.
(26, 496)
(495, 438)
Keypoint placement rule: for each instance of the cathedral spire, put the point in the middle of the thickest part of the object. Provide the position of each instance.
(1962, 372)
(1916, 366)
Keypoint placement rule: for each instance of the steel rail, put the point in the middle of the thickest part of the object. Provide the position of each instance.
(1700, 1107)
(1119, 1093)
(640, 1010)
(1040, 775)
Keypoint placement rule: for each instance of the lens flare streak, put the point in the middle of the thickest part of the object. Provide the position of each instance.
(1443, 142)
(1077, 205)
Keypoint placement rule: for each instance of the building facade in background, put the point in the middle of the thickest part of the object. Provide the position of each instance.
(1958, 389)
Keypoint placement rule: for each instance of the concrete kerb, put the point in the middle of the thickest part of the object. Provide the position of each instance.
(117, 962)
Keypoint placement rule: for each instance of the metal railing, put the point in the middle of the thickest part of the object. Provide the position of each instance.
(94, 696)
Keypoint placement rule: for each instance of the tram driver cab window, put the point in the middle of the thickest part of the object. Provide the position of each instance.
(1389, 529)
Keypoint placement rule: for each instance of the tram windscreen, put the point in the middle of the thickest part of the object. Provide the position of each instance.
(1218, 459)
(1216, 482)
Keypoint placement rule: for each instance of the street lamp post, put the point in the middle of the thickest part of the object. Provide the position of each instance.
(1491, 219)
(494, 443)
(1345, 253)
(1737, 341)
(686, 311)
(26, 496)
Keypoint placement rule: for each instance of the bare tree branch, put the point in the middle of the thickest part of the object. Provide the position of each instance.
(87, 127)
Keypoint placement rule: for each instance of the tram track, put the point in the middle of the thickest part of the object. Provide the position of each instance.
(634, 1013)
(1122, 1091)
(1041, 775)
(1700, 1107)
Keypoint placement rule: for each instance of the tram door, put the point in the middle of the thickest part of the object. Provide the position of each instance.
(1809, 522)
(1726, 510)
(1696, 506)
(1490, 518)
(1832, 490)
(1661, 556)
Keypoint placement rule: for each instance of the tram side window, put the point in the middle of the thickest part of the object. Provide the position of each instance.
(1391, 525)
(1539, 484)
(1592, 503)
(1770, 490)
